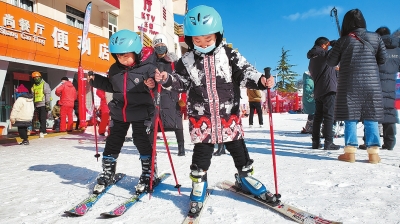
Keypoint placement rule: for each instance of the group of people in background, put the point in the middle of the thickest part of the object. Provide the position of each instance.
(355, 81)
(62, 111)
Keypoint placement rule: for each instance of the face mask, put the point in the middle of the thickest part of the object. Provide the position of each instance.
(204, 50)
(161, 49)
(37, 80)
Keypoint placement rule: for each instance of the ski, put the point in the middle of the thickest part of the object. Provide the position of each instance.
(289, 211)
(190, 219)
(122, 208)
(83, 207)
(86, 141)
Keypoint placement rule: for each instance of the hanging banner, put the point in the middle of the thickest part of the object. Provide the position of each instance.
(85, 31)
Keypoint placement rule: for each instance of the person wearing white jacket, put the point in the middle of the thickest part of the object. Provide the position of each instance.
(22, 114)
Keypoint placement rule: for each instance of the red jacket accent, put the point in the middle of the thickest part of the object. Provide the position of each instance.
(67, 94)
(103, 103)
(146, 52)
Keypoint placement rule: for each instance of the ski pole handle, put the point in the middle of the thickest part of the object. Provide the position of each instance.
(267, 72)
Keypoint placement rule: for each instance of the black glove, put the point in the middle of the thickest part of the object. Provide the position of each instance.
(90, 74)
(48, 106)
(332, 43)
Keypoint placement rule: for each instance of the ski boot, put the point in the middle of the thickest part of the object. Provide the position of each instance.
(199, 189)
(107, 176)
(251, 185)
(144, 180)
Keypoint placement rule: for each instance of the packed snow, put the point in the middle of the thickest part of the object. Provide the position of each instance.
(40, 181)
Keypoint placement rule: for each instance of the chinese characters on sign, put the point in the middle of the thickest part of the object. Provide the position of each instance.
(60, 37)
(103, 52)
(148, 24)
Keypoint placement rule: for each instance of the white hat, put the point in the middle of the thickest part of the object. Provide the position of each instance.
(160, 38)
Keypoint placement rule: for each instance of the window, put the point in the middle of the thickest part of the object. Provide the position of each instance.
(75, 17)
(112, 24)
(25, 4)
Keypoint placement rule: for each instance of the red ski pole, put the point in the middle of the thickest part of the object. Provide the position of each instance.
(267, 72)
(157, 122)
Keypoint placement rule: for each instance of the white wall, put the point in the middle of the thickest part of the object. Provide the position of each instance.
(155, 17)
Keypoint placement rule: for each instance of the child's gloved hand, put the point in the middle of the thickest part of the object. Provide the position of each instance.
(160, 76)
(149, 83)
(269, 83)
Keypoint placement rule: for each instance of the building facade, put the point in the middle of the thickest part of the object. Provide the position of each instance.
(45, 36)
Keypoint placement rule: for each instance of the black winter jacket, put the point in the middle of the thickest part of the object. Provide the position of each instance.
(324, 76)
(359, 93)
(212, 82)
(131, 97)
(388, 74)
(170, 112)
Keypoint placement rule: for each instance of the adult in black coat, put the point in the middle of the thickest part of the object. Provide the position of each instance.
(359, 92)
(388, 73)
(170, 111)
(325, 84)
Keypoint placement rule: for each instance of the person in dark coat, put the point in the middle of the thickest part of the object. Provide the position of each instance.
(388, 73)
(359, 92)
(132, 105)
(170, 111)
(325, 84)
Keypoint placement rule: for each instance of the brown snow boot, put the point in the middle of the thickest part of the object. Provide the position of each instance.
(373, 154)
(349, 154)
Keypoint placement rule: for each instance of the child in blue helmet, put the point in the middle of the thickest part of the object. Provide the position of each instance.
(211, 73)
(131, 104)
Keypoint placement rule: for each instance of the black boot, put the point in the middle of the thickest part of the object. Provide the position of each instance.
(144, 180)
(331, 146)
(107, 176)
(221, 150)
(181, 149)
(316, 144)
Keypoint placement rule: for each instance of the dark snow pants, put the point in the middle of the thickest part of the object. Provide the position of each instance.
(116, 139)
(202, 154)
(324, 111)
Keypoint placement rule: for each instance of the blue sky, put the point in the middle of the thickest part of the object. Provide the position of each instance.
(260, 28)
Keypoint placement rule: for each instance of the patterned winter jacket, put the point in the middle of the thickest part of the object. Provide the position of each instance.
(213, 95)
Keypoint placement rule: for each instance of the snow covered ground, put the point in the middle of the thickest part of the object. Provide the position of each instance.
(40, 181)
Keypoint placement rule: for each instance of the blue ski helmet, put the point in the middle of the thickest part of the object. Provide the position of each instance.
(202, 20)
(125, 41)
